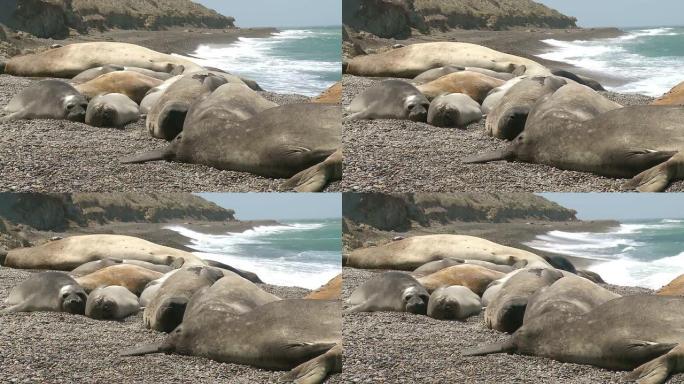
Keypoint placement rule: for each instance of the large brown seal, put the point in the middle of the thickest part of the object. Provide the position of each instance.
(329, 291)
(70, 60)
(415, 59)
(474, 84)
(673, 288)
(332, 95)
(131, 277)
(47, 291)
(390, 291)
(412, 252)
(132, 84)
(637, 331)
(278, 142)
(302, 335)
(71, 252)
(474, 277)
(674, 96)
(47, 99)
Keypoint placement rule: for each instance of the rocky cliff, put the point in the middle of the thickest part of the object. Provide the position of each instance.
(399, 18)
(59, 18)
(400, 212)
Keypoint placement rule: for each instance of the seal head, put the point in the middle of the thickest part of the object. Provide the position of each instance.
(73, 300)
(415, 300)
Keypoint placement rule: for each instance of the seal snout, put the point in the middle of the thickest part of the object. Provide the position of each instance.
(418, 113)
(416, 305)
(74, 303)
(171, 314)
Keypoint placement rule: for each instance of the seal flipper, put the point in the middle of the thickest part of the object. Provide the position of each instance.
(506, 346)
(634, 352)
(507, 154)
(168, 154)
(144, 350)
(316, 370)
(314, 179)
(657, 371)
(21, 307)
(657, 178)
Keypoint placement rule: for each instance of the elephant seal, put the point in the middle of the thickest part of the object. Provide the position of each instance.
(506, 310)
(569, 295)
(474, 84)
(330, 291)
(332, 95)
(414, 59)
(152, 288)
(90, 74)
(390, 99)
(251, 276)
(97, 265)
(674, 96)
(111, 303)
(673, 288)
(636, 331)
(453, 110)
(438, 265)
(453, 303)
(152, 96)
(166, 118)
(436, 73)
(561, 262)
(277, 142)
(591, 83)
(71, 252)
(390, 291)
(111, 110)
(508, 118)
(474, 277)
(47, 99)
(47, 291)
(614, 144)
(412, 252)
(495, 95)
(132, 84)
(166, 309)
(70, 60)
(302, 335)
(131, 277)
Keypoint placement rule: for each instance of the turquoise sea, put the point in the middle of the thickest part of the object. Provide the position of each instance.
(651, 60)
(303, 253)
(646, 253)
(301, 60)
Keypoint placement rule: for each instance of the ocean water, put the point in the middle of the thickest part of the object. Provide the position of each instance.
(303, 253)
(650, 59)
(637, 253)
(305, 61)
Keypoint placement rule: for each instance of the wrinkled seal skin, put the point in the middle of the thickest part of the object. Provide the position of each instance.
(70, 60)
(47, 99)
(639, 331)
(302, 335)
(390, 99)
(390, 291)
(47, 291)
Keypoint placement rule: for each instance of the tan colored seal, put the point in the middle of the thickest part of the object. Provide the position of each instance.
(474, 84)
(473, 277)
(674, 96)
(132, 84)
(129, 276)
(673, 288)
(330, 291)
(332, 95)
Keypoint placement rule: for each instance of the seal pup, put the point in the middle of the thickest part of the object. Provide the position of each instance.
(414, 59)
(70, 60)
(70, 252)
(47, 291)
(90, 74)
(474, 84)
(132, 277)
(438, 265)
(613, 335)
(278, 142)
(508, 118)
(412, 252)
(474, 277)
(166, 117)
(390, 99)
(111, 110)
(506, 310)
(93, 266)
(132, 84)
(329, 291)
(302, 335)
(436, 73)
(453, 110)
(453, 303)
(47, 99)
(390, 291)
(111, 303)
(166, 309)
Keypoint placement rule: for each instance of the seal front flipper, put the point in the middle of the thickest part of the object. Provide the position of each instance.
(168, 154)
(316, 370)
(657, 371)
(657, 178)
(315, 178)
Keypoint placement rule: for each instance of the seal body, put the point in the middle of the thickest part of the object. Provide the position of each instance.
(330, 291)
(474, 277)
(90, 74)
(132, 84)
(674, 96)
(97, 265)
(154, 94)
(332, 95)
(111, 110)
(673, 288)
(47, 99)
(453, 303)
(131, 277)
(390, 291)
(47, 291)
(111, 303)
(390, 99)
(453, 110)
(474, 84)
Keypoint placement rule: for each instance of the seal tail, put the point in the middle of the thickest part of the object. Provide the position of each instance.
(167, 153)
(507, 153)
(506, 346)
(143, 350)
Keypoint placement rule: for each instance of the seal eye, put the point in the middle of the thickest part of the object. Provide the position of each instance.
(70, 106)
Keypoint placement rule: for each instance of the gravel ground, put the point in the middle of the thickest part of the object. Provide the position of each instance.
(44, 347)
(64, 156)
(407, 348)
(405, 156)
